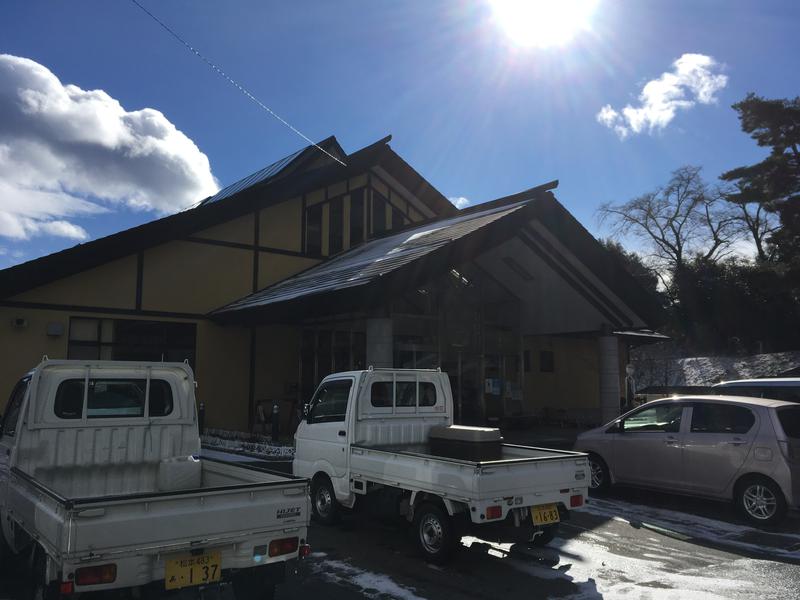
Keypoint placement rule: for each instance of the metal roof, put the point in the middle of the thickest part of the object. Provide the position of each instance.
(260, 176)
(374, 259)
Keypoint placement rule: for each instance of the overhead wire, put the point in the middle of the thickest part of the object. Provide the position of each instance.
(233, 82)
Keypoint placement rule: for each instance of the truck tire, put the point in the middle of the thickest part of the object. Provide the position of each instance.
(435, 533)
(253, 584)
(760, 501)
(40, 588)
(324, 506)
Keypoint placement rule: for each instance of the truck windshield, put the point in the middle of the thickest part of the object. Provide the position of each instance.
(330, 402)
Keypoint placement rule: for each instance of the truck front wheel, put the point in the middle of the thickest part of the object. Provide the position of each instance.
(323, 501)
(435, 533)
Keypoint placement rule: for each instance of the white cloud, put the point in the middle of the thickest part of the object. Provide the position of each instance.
(66, 152)
(694, 78)
(459, 201)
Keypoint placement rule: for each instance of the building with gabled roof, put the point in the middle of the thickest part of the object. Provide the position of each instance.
(308, 267)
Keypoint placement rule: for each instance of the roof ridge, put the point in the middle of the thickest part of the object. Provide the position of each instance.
(271, 172)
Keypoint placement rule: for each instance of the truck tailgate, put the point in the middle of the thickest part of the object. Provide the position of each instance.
(553, 470)
(260, 502)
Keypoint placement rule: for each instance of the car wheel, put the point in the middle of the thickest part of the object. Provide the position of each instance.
(545, 537)
(761, 501)
(324, 506)
(599, 477)
(435, 533)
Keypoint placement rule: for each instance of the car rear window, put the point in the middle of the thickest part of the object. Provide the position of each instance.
(721, 418)
(790, 421)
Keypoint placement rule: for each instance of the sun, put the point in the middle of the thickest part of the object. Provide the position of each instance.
(543, 23)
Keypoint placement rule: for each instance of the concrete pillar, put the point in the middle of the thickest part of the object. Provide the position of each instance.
(380, 343)
(608, 348)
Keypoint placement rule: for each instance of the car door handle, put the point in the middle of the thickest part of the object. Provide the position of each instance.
(736, 442)
(342, 433)
(670, 440)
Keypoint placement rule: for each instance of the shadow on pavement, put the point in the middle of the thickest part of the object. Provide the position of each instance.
(385, 549)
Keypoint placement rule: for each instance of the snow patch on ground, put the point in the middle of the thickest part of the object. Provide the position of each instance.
(730, 535)
(600, 573)
(251, 443)
(370, 584)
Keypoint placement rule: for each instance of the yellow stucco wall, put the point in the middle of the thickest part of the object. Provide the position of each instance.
(239, 230)
(574, 384)
(222, 371)
(281, 225)
(23, 348)
(112, 285)
(277, 367)
(31, 343)
(195, 278)
(275, 267)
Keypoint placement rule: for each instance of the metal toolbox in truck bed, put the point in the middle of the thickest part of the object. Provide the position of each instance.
(466, 443)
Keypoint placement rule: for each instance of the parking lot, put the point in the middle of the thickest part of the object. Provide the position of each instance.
(628, 544)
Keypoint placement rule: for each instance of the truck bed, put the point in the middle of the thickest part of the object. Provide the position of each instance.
(535, 475)
(234, 502)
(511, 453)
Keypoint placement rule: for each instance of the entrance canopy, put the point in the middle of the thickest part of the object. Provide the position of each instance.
(528, 243)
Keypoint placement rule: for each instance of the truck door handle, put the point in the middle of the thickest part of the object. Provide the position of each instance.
(342, 433)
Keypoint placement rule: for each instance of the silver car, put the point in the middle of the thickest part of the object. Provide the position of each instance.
(733, 448)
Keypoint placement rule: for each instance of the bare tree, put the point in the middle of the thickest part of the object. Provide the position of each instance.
(755, 220)
(679, 222)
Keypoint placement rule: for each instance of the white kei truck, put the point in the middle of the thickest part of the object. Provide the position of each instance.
(385, 438)
(101, 489)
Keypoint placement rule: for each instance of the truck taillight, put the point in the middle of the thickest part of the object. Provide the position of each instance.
(96, 575)
(283, 546)
(305, 550)
(494, 512)
(66, 588)
(575, 501)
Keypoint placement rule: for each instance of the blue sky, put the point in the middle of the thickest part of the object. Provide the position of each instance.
(477, 115)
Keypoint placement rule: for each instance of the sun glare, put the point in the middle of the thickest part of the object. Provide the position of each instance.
(543, 23)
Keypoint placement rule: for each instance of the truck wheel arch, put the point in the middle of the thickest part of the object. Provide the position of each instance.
(451, 507)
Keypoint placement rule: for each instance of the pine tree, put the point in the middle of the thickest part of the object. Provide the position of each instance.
(775, 181)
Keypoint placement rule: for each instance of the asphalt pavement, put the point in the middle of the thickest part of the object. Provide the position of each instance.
(627, 545)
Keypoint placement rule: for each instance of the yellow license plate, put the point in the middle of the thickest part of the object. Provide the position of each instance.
(545, 514)
(187, 569)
